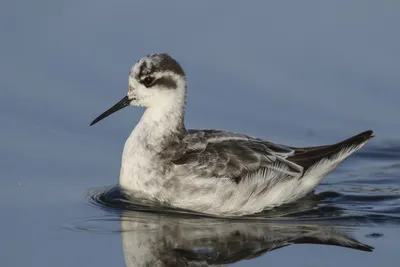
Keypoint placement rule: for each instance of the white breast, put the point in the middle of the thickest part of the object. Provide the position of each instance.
(141, 167)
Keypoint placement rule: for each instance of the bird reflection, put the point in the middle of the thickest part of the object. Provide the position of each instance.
(151, 239)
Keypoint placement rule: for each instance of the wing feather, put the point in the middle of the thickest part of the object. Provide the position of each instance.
(210, 153)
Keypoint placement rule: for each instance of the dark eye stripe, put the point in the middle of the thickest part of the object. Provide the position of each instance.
(166, 82)
(148, 81)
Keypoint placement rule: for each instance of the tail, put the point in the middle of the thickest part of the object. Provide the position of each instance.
(330, 155)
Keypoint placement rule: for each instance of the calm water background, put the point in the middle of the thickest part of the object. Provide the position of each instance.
(296, 72)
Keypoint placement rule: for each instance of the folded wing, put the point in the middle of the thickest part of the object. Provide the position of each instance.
(210, 153)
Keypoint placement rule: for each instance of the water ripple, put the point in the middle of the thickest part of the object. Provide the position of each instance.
(326, 206)
(387, 150)
(154, 234)
(366, 195)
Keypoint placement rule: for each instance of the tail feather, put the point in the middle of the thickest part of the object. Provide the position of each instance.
(309, 156)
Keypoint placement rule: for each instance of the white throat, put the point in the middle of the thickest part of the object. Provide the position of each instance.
(159, 123)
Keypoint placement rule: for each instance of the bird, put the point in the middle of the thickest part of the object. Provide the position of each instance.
(210, 171)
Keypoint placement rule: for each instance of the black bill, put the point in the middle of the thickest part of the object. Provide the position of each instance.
(120, 105)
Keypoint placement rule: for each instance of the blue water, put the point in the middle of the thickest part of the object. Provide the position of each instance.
(294, 72)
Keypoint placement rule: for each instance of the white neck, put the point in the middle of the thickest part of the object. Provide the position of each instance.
(159, 124)
(159, 121)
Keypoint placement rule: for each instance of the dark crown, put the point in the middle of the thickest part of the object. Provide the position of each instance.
(159, 63)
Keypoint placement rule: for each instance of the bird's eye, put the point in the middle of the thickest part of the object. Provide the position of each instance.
(148, 81)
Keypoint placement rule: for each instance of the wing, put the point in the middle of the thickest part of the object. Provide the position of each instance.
(210, 153)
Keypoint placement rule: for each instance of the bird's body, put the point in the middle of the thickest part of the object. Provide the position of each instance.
(210, 171)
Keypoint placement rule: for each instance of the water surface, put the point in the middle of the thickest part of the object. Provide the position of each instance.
(298, 73)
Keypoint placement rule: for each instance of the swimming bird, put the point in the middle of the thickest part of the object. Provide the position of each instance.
(210, 171)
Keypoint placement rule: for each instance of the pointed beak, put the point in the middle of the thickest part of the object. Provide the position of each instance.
(120, 105)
